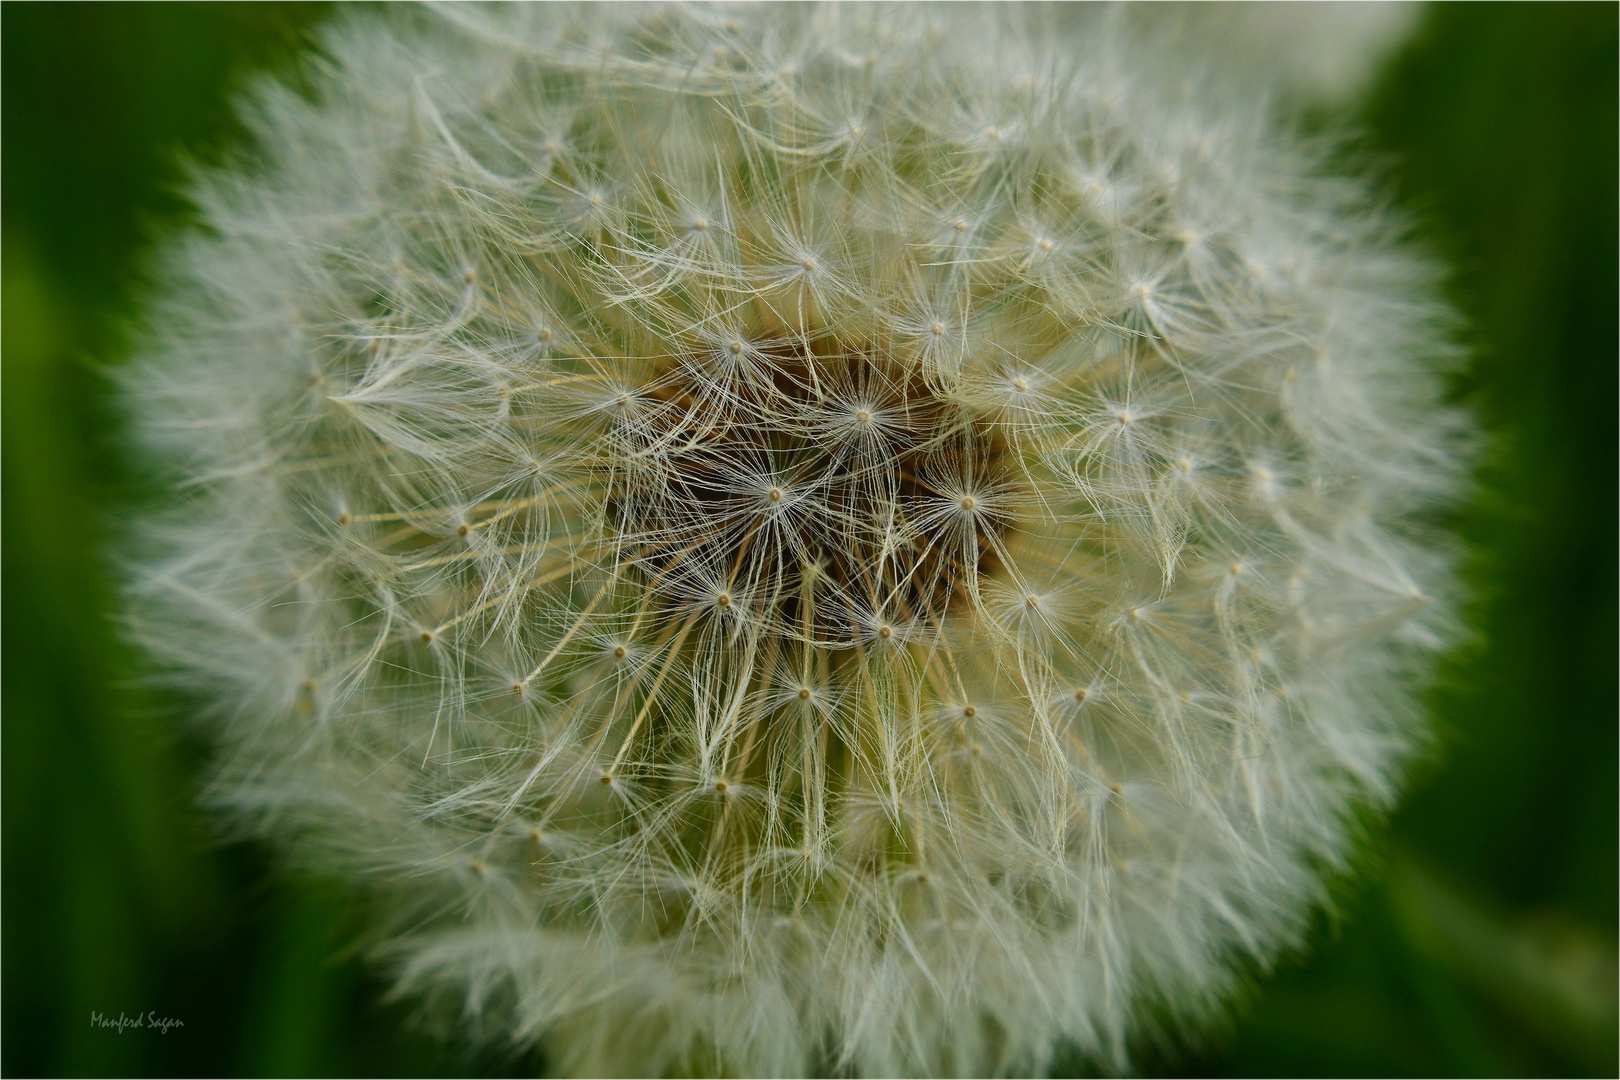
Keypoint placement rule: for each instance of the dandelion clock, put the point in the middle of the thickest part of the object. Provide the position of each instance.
(796, 539)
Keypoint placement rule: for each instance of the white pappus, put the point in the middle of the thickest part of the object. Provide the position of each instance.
(880, 539)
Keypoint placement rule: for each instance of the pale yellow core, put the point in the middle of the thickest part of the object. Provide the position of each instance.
(736, 348)
(544, 334)
(1020, 385)
(938, 329)
(1081, 694)
(970, 711)
(804, 693)
(620, 652)
(968, 502)
(959, 225)
(724, 599)
(775, 494)
(700, 224)
(884, 632)
(863, 416)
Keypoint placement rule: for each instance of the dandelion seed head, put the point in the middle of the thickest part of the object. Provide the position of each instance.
(831, 515)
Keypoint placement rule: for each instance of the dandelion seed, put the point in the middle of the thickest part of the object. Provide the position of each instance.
(732, 411)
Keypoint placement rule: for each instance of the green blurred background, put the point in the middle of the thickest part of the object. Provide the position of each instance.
(1478, 935)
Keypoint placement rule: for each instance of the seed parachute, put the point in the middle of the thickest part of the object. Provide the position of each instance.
(786, 539)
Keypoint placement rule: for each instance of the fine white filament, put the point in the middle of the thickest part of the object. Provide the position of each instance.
(882, 540)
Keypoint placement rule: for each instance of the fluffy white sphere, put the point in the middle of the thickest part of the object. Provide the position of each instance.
(776, 539)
